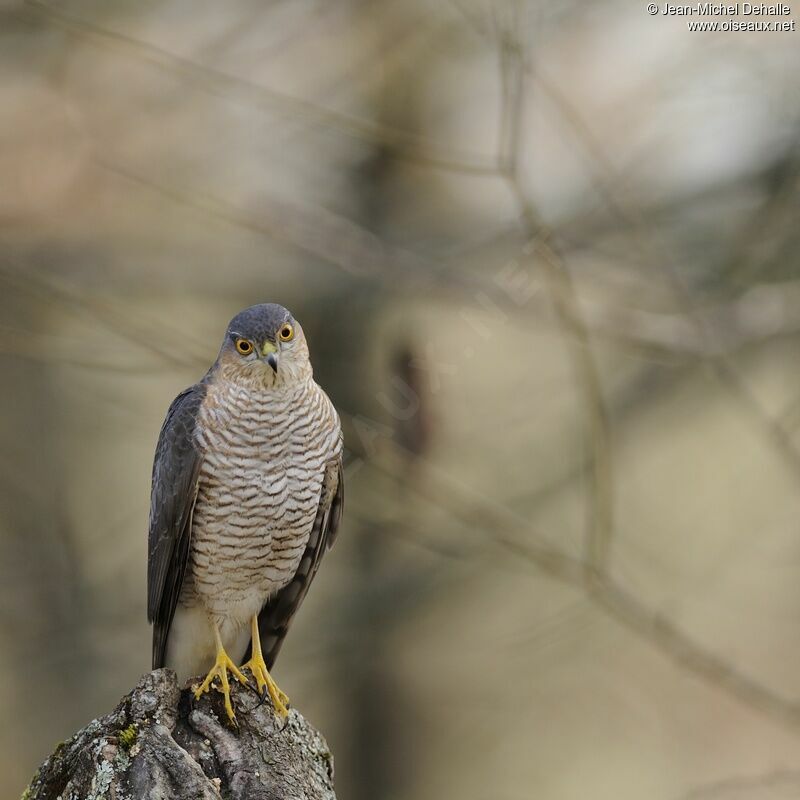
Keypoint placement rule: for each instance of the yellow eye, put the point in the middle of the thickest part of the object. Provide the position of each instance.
(244, 347)
(286, 333)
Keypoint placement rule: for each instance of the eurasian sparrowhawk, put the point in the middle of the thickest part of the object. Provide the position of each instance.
(246, 498)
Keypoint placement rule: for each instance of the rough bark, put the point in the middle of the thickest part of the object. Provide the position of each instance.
(161, 744)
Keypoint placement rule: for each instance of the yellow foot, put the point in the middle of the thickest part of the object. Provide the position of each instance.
(220, 670)
(264, 680)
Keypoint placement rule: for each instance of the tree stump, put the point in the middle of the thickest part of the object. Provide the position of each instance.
(161, 744)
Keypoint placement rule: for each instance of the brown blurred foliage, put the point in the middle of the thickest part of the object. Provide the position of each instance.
(547, 259)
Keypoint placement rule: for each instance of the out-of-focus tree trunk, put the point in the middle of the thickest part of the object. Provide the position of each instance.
(161, 744)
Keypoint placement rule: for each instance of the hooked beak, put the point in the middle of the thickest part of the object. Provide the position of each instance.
(270, 353)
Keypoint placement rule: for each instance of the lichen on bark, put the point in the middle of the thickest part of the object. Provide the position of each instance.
(159, 743)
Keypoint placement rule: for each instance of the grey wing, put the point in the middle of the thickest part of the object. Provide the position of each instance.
(277, 614)
(176, 468)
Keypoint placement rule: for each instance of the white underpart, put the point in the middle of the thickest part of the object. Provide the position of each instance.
(265, 455)
(191, 647)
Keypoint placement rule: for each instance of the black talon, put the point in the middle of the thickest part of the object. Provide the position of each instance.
(262, 697)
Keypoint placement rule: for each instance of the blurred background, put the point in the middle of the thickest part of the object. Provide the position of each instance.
(546, 255)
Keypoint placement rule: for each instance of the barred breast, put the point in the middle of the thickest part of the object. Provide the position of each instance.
(265, 454)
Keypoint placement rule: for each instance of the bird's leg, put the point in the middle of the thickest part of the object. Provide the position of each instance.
(264, 680)
(220, 670)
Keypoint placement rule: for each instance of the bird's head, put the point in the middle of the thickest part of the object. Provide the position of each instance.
(265, 344)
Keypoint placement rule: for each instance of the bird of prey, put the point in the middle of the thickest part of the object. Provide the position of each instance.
(246, 498)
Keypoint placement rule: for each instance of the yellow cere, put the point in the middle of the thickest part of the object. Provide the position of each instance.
(268, 347)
